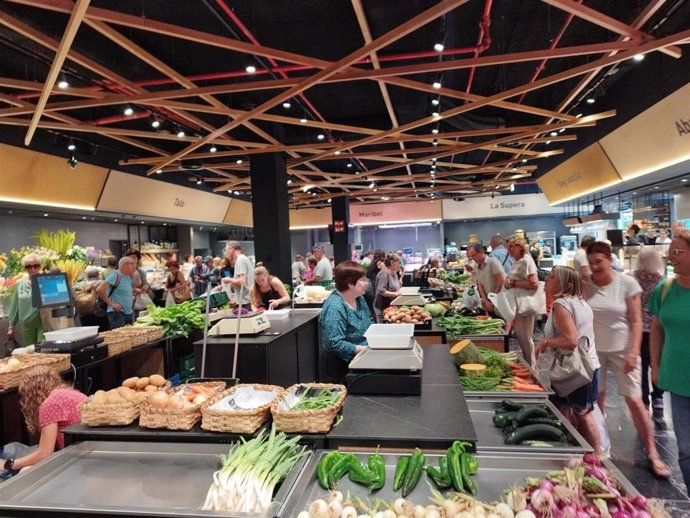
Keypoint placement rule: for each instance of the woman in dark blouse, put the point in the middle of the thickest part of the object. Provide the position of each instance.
(267, 292)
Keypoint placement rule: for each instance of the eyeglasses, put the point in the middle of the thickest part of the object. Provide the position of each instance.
(31, 266)
(676, 252)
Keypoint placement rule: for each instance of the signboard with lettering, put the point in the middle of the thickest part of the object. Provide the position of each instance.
(498, 207)
(403, 212)
(339, 226)
(658, 137)
(131, 194)
(588, 171)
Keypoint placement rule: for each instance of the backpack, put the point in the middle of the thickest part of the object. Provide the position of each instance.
(100, 308)
(86, 298)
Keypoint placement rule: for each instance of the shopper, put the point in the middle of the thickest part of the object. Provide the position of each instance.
(214, 271)
(631, 235)
(489, 274)
(110, 266)
(648, 270)
(344, 319)
(198, 276)
(375, 265)
(580, 260)
(523, 275)
(650, 237)
(668, 339)
(86, 300)
(323, 271)
(500, 253)
(243, 277)
(49, 406)
(268, 291)
(298, 269)
(387, 285)
(140, 285)
(187, 266)
(569, 325)
(176, 286)
(311, 265)
(22, 312)
(226, 268)
(615, 300)
(116, 291)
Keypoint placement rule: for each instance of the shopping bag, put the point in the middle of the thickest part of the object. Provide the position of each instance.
(531, 302)
(141, 301)
(505, 304)
(571, 369)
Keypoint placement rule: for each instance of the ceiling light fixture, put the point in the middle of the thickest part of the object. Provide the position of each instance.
(524, 160)
(433, 160)
(289, 182)
(434, 143)
(250, 69)
(46, 215)
(435, 102)
(349, 164)
(287, 105)
(638, 57)
(199, 181)
(329, 200)
(128, 111)
(159, 171)
(72, 162)
(436, 85)
(438, 47)
(71, 145)
(512, 187)
(554, 134)
(591, 100)
(155, 123)
(62, 84)
(561, 130)
(337, 152)
(303, 121)
(239, 161)
(180, 134)
(684, 180)
(321, 136)
(372, 185)
(548, 142)
(435, 114)
(213, 149)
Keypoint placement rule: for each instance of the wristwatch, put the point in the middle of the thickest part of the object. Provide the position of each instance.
(9, 463)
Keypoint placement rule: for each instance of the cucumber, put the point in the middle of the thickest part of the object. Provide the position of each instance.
(511, 405)
(537, 432)
(503, 420)
(527, 412)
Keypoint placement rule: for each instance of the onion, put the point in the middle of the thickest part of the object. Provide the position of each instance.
(319, 509)
(515, 498)
(399, 506)
(389, 513)
(640, 502)
(591, 510)
(573, 463)
(303, 514)
(642, 514)
(542, 500)
(526, 513)
(450, 507)
(419, 511)
(569, 511)
(596, 473)
(503, 510)
(546, 485)
(432, 512)
(335, 495)
(336, 508)
(622, 514)
(348, 512)
(591, 459)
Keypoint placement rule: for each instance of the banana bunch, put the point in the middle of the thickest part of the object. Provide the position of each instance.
(60, 241)
(72, 268)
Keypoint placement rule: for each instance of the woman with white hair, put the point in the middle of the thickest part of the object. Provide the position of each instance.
(648, 270)
(22, 311)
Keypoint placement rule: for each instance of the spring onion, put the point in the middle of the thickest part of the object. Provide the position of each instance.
(250, 472)
(324, 399)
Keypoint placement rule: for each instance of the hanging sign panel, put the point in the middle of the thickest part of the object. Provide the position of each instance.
(131, 194)
(586, 172)
(403, 212)
(659, 137)
(239, 213)
(504, 206)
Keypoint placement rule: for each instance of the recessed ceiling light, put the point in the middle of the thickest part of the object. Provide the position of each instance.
(634, 193)
(143, 222)
(250, 69)
(321, 136)
(129, 111)
(159, 171)
(438, 47)
(684, 180)
(436, 85)
(656, 187)
(213, 149)
(62, 84)
(287, 105)
(303, 121)
(180, 134)
(638, 57)
(435, 102)
(591, 100)
(46, 215)
(239, 161)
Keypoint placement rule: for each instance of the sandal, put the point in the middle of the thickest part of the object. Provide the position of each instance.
(658, 467)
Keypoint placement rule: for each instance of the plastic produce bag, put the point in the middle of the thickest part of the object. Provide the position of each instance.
(471, 298)
(505, 303)
(604, 438)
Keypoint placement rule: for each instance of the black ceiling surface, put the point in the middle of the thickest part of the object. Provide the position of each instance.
(316, 33)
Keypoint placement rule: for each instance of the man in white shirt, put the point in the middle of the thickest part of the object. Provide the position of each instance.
(580, 262)
(489, 274)
(298, 270)
(323, 270)
(244, 273)
(500, 253)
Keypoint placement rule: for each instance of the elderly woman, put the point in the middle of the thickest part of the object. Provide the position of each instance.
(49, 406)
(22, 312)
(374, 267)
(523, 274)
(615, 301)
(569, 325)
(668, 343)
(387, 285)
(344, 319)
(176, 285)
(268, 291)
(648, 268)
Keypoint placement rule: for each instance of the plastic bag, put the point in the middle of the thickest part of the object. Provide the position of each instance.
(505, 303)
(604, 438)
(471, 298)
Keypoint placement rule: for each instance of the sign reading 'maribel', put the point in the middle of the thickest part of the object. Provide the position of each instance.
(498, 207)
(413, 211)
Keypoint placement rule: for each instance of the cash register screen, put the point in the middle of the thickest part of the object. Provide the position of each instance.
(50, 290)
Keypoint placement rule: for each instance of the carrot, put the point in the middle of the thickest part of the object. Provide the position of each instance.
(527, 387)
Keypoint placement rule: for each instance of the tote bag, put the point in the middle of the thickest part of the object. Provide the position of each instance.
(505, 303)
(531, 302)
(571, 370)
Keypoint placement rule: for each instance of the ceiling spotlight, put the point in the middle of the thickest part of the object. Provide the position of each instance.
(349, 164)
(434, 143)
(512, 187)
(434, 131)
(287, 105)
(433, 166)
(684, 180)
(554, 134)
(250, 69)
(72, 162)
(229, 191)
(438, 47)
(239, 161)
(578, 115)
(514, 169)
(83, 217)
(435, 114)
(213, 149)
(289, 182)
(433, 159)
(561, 130)
(634, 193)
(321, 136)
(159, 171)
(329, 200)
(436, 85)
(524, 160)
(129, 111)
(115, 220)
(656, 187)
(372, 185)
(337, 152)
(548, 142)
(143, 222)
(46, 215)
(155, 123)
(62, 84)
(303, 121)
(435, 102)
(199, 181)
(71, 145)
(591, 100)
(638, 57)
(237, 193)
(180, 134)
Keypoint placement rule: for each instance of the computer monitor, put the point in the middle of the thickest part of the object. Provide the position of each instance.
(50, 290)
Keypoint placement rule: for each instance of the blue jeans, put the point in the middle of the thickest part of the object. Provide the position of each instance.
(119, 319)
(680, 407)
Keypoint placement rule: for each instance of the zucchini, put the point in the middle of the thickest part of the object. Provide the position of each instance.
(527, 412)
(539, 432)
(545, 420)
(545, 444)
(503, 420)
(511, 405)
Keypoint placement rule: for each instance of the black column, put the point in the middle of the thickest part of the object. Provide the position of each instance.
(271, 213)
(340, 209)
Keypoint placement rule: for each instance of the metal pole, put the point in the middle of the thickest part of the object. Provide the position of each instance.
(203, 349)
(237, 333)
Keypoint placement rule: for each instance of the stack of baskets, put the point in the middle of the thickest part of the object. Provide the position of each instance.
(306, 421)
(59, 362)
(237, 420)
(125, 338)
(178, 418)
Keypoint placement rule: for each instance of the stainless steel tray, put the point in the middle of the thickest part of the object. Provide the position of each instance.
(492, 438)
(498, 393)
(127, 478)
(497, 471)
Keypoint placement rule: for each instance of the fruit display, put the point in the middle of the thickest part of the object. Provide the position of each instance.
(406, 315)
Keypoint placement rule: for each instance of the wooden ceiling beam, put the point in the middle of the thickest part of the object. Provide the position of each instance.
(75, 19)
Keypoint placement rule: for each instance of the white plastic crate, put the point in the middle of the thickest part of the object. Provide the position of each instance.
(71, 334)
(389, 336)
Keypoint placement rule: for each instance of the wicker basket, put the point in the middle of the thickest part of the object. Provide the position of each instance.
(60, 362)
(238, 421)
(108, 414)
(177, 418)
(306, 421)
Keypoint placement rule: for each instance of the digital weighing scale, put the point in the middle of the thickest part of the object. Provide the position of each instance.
(251, 323)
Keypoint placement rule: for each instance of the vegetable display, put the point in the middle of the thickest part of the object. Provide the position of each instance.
(406, 315)
(180, 319)
(334, 466)
(324, 398)
(530, 425)
(503, 372)
(458, 325)
(251, 470)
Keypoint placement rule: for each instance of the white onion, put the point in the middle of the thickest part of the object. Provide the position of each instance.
(319, 509)
(419, 511)
(348, 512)
(503, 510)
(388, 513)
(526, 513)
(336, 508)
(479, 510)
(432, 512)
(378, 515)
(399, 506)
(335, 495)
(451, 507)
(303, 514)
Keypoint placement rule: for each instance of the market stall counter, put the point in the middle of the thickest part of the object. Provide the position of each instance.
(285, 354)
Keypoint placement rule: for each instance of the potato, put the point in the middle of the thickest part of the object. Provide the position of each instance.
(150, 388)
(157, 380)
(408, 318)
(142, 382)
(99, 398)
(140, 397)
(127, 393)
(131, 382)
(116, 398)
